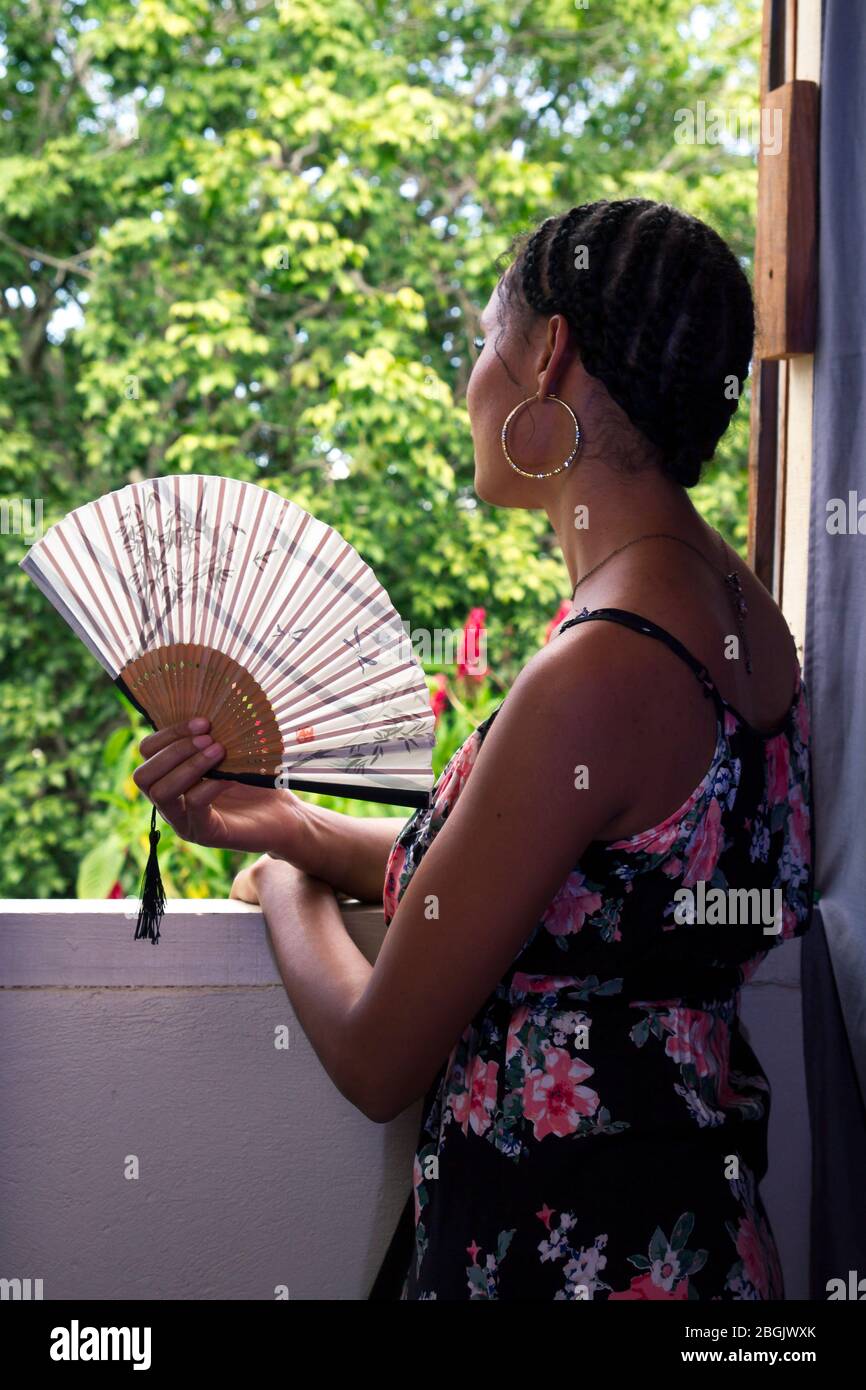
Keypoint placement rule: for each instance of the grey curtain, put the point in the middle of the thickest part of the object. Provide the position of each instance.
(834, 951)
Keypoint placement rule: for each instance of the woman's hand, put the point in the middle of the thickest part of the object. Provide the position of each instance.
(247, 883)
(294, 883)
(222, 815)
(348, 852)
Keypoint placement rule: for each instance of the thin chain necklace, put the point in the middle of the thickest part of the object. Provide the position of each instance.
(731, 581)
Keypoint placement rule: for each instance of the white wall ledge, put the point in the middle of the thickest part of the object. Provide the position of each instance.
(203, 941)
(254, 1172)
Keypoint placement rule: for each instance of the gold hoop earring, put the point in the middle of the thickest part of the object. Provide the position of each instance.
(552, 471)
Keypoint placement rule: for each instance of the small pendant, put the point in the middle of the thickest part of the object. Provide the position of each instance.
(733, 582)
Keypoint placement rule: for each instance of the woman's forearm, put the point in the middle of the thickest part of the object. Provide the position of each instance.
(323, 970)
(347, 852)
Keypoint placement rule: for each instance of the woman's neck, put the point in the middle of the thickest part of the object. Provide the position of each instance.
(598, 510)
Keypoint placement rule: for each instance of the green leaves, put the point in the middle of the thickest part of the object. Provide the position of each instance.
(100, 869)
(255, 240)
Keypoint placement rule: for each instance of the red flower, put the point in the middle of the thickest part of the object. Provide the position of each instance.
(752, 1250)
(561, 613)
(439, 698)
(470, 661)
(116, 892)
(554, 1099)
(643, 1289)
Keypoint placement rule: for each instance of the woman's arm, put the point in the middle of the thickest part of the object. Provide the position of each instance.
(347, 852)
(508, 845)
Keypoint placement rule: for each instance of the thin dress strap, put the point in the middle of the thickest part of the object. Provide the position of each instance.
(650, 629)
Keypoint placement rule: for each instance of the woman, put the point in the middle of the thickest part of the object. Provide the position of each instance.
(594, 1121)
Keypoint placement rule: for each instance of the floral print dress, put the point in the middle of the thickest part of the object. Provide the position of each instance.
(599, 1129)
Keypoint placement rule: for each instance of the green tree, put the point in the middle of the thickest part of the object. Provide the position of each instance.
(254, 239)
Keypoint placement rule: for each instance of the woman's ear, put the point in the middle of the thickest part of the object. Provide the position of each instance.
(555, 355)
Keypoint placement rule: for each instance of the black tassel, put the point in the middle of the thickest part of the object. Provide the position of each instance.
(152, 904)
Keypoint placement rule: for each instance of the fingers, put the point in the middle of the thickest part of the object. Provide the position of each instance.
(199, 797)
(171, 773)
(155, 742)
(194, 755)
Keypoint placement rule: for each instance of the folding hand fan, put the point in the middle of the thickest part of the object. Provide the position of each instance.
(206, 596)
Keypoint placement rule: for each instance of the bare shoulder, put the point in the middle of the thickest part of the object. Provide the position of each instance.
(613, 669)
(753, 662)
(590, 699)
(587, 667)
(631, 712)
(702, 615)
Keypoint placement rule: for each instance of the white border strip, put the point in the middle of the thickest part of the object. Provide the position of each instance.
(75, 943)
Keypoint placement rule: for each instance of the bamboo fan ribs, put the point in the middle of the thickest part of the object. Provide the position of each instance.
(206, 596)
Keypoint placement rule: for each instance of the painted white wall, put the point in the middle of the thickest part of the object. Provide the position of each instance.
(254, 1171)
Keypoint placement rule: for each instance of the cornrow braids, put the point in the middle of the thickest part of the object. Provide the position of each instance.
(556, 253)
(583, 288)
(644, 249)
(656, 372)
(662, 313)
(652, 371)
(533, 293)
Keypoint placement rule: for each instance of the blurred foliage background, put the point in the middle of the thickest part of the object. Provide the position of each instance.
(253, 239)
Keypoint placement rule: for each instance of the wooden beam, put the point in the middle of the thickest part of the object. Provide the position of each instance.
(763, 441)
(786, 262)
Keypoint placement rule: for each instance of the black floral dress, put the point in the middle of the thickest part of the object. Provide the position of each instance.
(599, 1130)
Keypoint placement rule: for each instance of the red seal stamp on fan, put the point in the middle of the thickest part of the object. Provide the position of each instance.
(305, 734)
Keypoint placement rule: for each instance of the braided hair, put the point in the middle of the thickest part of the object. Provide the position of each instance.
(661, 310)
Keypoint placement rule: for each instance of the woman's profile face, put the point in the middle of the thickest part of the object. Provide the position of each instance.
(508, 370)
(491, 394)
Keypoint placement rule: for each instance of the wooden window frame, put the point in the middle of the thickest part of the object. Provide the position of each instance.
(780, 445)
